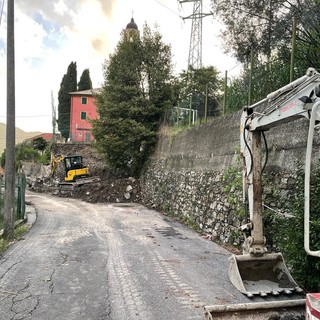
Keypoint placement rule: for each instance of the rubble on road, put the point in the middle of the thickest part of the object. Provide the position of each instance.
(113, 186)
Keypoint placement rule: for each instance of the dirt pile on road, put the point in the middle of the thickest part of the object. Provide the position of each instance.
(111, 190)
(113, 186)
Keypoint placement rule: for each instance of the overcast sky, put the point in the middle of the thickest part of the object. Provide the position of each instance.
(49, 34)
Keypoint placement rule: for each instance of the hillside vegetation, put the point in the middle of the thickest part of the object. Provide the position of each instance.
(20, 136)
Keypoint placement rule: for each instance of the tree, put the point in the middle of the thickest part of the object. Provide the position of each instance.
(136, 93)
(39, 144)
(3, 159)
(201, 84)
(68, 84)
(307, 14)
(266, 78)
(85, 82)
(24, 152)
(252, 25)
(266, 28)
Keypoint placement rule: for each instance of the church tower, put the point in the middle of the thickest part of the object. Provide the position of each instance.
(131, 31)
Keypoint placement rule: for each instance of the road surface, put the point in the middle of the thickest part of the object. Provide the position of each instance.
(110, 261)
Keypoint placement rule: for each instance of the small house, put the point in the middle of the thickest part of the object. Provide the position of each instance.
(82, 110)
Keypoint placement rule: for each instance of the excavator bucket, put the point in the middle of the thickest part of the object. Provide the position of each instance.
(263, 275)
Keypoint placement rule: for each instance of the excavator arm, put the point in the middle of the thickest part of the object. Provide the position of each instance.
(299, 99)
(55, 159)
(258, 272)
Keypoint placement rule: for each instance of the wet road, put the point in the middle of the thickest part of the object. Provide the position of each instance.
(110, 261)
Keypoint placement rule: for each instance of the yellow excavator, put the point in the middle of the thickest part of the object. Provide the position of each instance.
(257, 273)
(75, 171)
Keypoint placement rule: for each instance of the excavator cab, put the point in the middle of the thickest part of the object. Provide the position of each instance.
(74, 168)
(75, 172)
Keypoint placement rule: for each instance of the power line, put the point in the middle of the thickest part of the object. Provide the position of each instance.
(237, 65)
(36, 116)
(39, 115)
(168, 8)
(208, 9)
(25, 136)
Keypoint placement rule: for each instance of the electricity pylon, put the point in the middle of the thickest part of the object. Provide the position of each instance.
(195, 48)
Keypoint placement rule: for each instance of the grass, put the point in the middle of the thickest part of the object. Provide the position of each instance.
(18, 233)
(173, 130)
(3, 245)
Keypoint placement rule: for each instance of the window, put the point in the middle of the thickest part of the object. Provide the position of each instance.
(83, 115)
(84, 100)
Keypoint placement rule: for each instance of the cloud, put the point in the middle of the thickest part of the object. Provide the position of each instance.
(61, 8)
(52, 33)
(97, 44)
(63, 11)
(107, 7)
(86, 17)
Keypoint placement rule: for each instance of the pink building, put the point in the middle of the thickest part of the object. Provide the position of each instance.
(82, 110)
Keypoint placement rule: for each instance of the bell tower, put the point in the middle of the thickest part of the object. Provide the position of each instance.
(131, 31)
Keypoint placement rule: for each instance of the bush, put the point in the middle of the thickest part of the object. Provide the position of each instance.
(31, 152)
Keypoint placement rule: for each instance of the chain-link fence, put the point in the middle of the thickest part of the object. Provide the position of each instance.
(194, 111)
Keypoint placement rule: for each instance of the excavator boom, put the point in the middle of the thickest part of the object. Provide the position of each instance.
(257, 272)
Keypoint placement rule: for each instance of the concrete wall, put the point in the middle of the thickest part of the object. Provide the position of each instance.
(185, 176)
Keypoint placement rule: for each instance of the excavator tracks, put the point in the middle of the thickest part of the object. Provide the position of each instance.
(79, 182)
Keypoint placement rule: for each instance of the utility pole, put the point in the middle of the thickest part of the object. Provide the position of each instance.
(9, 200)
(250, 78)
(225, 90)
(54, 119)
(293, 49)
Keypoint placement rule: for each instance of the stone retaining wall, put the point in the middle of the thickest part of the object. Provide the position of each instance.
(186, 175)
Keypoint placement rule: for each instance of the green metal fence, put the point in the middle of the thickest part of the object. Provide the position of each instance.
(21, 196)
(20, 192)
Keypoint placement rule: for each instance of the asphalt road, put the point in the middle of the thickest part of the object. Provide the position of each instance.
(110, 261)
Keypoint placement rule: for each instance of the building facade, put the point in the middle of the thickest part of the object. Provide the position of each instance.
(82, 110)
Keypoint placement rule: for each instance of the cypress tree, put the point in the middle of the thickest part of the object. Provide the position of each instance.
(68, 84)
(85, 82)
